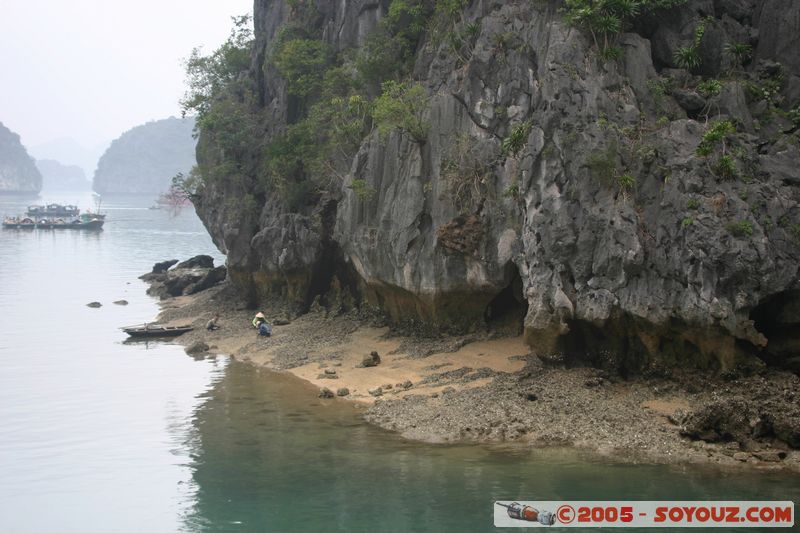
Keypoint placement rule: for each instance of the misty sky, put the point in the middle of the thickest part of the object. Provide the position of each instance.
(91, 69)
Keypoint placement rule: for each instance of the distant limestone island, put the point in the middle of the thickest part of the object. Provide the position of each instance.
(60, 177)
(143, 160)
(18, 172)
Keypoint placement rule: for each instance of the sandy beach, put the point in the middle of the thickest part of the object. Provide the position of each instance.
(488, 388)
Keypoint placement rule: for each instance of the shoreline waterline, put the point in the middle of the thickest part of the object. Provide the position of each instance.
(448, 387)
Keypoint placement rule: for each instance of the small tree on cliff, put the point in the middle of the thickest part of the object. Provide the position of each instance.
(302, 62)
(211, 75)
(402, 106)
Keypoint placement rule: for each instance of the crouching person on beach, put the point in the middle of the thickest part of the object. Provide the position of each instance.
(211, 325)
(261, 324)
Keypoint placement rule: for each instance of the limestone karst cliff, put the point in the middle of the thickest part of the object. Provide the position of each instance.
(145, 158)
(18, 173)
(630, 198)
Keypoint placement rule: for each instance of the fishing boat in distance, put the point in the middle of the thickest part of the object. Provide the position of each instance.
(155, 330)
(53, 210)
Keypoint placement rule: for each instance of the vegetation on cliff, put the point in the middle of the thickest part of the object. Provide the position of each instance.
(336, 99)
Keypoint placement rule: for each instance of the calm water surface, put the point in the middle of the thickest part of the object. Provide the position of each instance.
(99, 436)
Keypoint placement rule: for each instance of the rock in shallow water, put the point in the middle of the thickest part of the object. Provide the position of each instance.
(121, 302)
(94, 305)
(196, 347)
(325, 393)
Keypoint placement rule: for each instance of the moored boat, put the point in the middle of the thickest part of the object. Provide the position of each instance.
(27, 223)
(156, 330)
(53, 210)
(84, 222)
(90, 221)
(11, 222)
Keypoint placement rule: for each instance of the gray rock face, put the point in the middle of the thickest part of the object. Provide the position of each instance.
(779, 32)
(605, 234)
(18, 172)
(145, 158)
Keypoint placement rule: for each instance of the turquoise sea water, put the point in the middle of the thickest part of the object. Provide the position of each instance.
(98, 436)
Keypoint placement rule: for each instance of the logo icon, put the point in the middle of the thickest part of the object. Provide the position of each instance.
(518, 511)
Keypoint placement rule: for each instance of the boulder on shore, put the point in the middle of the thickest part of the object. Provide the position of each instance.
(163, 266)
(198, 261)
(373, 359)
(212, 277)
(745, 422)
(189, 277)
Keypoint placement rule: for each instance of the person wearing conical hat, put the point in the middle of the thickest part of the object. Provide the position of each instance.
(259, 318)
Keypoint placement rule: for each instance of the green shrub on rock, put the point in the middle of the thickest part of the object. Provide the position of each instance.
(402, 106)
(606, 19)
(302, 63)
(517, 138)
(742, 228)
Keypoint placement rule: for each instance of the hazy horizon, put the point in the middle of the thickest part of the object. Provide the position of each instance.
(90, 70)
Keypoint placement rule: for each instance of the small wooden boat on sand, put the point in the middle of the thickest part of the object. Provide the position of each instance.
(156, 330)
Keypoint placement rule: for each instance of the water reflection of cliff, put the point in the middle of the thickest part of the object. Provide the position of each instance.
(267, 455)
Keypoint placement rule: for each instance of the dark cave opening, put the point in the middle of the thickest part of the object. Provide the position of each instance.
(613, 347)
(507, 310)
(333, 279)
(778, 318)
